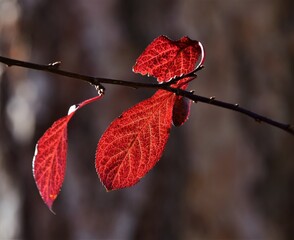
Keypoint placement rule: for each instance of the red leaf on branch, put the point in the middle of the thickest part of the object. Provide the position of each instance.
(49, 162)
(181, 111)
(182, 105)
(134, 142)
(166, 59)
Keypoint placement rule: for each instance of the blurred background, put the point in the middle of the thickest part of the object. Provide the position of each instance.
(222, 175)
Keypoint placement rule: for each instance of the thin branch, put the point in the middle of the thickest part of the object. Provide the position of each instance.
(97, 81)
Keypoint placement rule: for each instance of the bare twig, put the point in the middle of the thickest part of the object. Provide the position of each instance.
(97, 81)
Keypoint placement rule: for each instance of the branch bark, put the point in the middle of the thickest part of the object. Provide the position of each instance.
(97, 81)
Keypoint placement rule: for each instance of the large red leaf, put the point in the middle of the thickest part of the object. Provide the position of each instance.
(166, 59)
(134, 142)
(49, 161)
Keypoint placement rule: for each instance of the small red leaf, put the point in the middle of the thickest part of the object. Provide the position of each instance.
(134, 142)
(49, 161)
(166, 59)
(181, 111)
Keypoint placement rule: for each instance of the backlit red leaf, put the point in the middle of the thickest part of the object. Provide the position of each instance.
(49, 162)
(166, 59)
(134, 142)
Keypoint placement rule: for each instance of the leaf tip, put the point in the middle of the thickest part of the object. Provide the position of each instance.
(51, 210)
(49, 202)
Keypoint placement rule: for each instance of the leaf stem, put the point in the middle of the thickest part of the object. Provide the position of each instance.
(97, 81)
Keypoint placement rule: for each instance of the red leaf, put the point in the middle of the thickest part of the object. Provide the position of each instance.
(49, 161)
(134, 142)
(181, 111)
(166, 59)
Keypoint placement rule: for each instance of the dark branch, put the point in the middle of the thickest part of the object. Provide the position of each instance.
(97, 81)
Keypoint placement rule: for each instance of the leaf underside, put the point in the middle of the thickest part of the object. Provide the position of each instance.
(181, 111)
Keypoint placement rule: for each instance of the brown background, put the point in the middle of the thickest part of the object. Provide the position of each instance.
(222, 175)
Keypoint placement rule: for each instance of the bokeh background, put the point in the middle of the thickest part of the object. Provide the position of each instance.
(222, 175)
